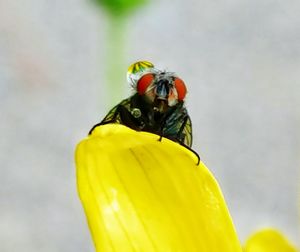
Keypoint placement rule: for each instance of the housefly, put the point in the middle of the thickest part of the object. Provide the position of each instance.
(157, 105)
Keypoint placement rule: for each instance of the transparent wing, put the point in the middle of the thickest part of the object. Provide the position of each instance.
(187, 132)
(178, 127)
(113, 116)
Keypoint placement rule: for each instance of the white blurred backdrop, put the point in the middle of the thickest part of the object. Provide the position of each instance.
(240, 61)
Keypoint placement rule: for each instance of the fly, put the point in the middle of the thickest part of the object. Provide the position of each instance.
(157, 105)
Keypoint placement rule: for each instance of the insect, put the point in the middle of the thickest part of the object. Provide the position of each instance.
(157, 105)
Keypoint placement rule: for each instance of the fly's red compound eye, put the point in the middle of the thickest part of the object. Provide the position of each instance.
(144, 82)
(180, 88)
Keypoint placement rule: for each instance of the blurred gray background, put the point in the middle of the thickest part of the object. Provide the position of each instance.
(240, 60)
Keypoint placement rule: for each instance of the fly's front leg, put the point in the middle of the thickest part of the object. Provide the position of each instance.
(161, 131)
(196, 154)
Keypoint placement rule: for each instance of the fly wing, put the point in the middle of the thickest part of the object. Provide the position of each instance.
(178, 126)
(187, 132)
(113, 116)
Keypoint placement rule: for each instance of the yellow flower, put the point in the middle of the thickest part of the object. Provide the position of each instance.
(140, 194)
(268, 240)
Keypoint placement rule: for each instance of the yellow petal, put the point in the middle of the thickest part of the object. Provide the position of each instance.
(140, 194)
(268, 240)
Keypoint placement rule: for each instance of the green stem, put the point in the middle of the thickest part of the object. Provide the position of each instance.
(115, 60)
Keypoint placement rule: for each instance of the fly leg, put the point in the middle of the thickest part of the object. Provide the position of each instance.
(190, 149)
(161, 131)
(163, 122)
(181, 136)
